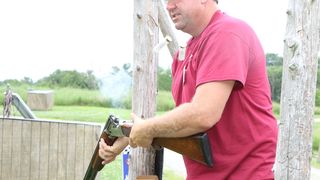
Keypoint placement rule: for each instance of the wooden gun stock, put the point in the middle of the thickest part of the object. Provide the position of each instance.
(196, 147)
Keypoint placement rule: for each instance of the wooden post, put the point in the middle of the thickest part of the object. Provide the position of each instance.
(301, 46)
(146, 36)
(166, 29)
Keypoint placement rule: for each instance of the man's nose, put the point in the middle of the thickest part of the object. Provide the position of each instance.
(170, 5)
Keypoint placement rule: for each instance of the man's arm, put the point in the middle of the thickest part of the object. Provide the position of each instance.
(199, 115)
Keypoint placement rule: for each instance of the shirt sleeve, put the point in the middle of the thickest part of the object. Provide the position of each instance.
(223, 56)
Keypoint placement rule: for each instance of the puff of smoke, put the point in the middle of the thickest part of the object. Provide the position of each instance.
(116, 87)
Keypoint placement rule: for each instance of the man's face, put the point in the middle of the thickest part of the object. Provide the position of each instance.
(183, 13)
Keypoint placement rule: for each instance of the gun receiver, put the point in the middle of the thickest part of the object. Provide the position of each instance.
(196, 147)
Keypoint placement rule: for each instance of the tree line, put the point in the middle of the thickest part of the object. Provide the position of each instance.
(87, 80)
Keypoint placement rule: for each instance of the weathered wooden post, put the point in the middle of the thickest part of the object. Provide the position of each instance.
(146, 36)
(166, 29)
(301, 46)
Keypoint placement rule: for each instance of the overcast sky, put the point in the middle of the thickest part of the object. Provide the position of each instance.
(39, 36)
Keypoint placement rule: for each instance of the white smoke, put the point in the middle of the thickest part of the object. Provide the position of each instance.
(116, 87)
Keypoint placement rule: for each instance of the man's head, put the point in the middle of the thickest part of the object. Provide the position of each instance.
(191, 16)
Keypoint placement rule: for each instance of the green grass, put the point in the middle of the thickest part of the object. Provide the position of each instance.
(169, 174)
(112, 171)
(314, 162)
(83, 113)
(72, 96)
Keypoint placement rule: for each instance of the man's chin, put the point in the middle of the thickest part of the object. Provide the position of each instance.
(178, 27)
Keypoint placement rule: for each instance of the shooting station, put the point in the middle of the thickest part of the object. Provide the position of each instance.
(41, 149)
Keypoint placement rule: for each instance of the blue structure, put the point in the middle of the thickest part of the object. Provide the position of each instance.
(125, 162)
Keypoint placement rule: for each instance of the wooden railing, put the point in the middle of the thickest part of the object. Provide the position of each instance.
(43, 149)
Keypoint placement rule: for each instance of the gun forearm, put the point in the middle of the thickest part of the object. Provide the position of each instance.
(96, 161)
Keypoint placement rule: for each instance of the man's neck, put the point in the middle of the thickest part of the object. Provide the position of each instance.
(204, 20)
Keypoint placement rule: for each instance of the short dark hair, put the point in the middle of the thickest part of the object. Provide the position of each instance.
(216, 1)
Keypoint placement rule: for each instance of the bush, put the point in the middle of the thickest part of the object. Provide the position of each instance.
(164, 101)
(316, 136)
(72, 79)
(317, 97)
(276, 108)
(275, 79)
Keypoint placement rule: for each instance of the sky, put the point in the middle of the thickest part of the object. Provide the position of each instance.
(38, 37)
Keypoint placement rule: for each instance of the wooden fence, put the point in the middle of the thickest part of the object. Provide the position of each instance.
(43, 149)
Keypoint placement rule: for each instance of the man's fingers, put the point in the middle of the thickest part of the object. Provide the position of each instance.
(135, 118)
(132, 144)
(103, 145)
(109, 153)
(108, 160)
(119, 145)
(105, 151)
(105, 154)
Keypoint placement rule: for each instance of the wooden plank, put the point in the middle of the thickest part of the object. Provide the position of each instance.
(26, 149)
(16, 149)
(71, 151)
(80, 167)
(6, 149)
(44, 150)
(97, 132)
(35, 150)
(95, 140)
(62, 151)
(88, 144)
(53, 150)
(1, 142)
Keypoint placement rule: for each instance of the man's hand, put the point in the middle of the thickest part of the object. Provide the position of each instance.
(109, 153)
(140, 134)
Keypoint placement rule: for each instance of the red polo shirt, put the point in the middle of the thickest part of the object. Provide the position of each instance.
(243, 142)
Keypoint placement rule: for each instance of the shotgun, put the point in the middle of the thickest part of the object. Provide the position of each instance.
(196, 147)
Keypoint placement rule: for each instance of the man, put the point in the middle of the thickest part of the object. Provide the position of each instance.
(220, 86)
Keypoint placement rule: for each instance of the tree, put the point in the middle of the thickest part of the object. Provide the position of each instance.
(274, 76)
(70, 79)
(164, 79)
(273, 59)
(301, 48)
(27, 80)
